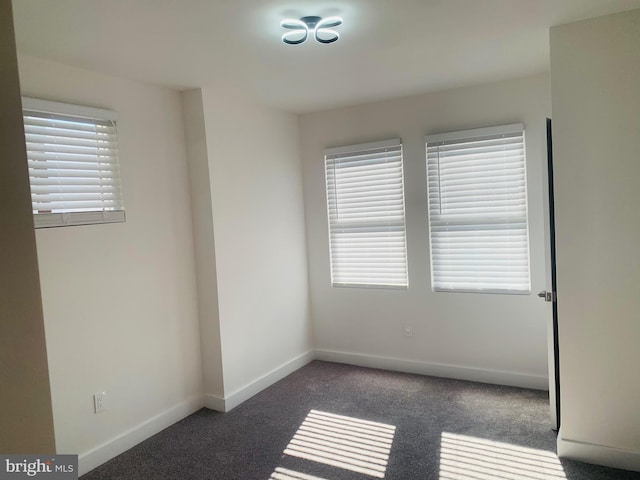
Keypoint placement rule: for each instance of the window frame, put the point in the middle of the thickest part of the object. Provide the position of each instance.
(481, 222)
(46, 113)
(338, 276)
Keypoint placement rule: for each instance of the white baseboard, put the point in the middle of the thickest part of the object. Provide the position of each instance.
(214, 402)
(235, 398)
(242, 394)
(437, 369)
(598, 454)
(91, 459)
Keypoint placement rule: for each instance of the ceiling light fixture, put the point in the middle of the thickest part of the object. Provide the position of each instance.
(320, 28)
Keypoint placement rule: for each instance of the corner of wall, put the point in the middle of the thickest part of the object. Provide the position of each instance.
(26, 415)
(204, 244)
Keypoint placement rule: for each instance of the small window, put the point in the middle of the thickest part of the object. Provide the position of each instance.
(365, 200)
(478, 210)
(72, 154)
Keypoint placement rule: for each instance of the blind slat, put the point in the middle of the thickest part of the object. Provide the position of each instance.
(478, 211)
(73, 166)
(365, 206)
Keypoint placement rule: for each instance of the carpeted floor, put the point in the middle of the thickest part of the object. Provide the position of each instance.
(400, 426)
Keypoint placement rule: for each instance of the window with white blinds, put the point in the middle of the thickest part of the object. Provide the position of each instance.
(72, 153)
(478, 210)
(365, 200)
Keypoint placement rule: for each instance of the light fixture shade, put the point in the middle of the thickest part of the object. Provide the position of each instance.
(324, 26)
(296, 27)
(320, 28)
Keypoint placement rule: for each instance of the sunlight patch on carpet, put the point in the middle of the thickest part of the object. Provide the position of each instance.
(344, 442)
(286, 474)
(471, 458)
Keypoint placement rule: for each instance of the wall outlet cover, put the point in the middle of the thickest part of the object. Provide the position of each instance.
(408, 330)
(99, 402)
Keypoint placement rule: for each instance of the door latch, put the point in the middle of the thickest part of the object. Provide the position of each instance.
(548, 296)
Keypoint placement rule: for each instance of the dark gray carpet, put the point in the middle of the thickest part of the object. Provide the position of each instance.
(248, 442)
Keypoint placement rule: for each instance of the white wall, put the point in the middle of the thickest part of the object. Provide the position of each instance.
(25, 402)
(120, 300)
(495, 338)
(257, 218)
(595, 67)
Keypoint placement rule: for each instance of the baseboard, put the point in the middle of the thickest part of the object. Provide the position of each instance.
(214, 402)
(242, 394)
(95, 457)
(437, 369)
(598, 454)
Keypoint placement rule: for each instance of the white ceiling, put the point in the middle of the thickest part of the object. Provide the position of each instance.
(389, 48)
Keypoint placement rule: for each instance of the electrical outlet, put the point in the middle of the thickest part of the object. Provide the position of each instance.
(100, 402)
(408, 330)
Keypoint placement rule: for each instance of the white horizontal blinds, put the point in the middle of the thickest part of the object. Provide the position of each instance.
(478, 210)
(365, 198)
(73, 164)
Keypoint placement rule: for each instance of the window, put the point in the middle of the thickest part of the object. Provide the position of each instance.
(72, 153)
(365, 200)
(478, 210)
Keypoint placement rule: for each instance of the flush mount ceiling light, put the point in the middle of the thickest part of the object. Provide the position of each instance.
(320, 28)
